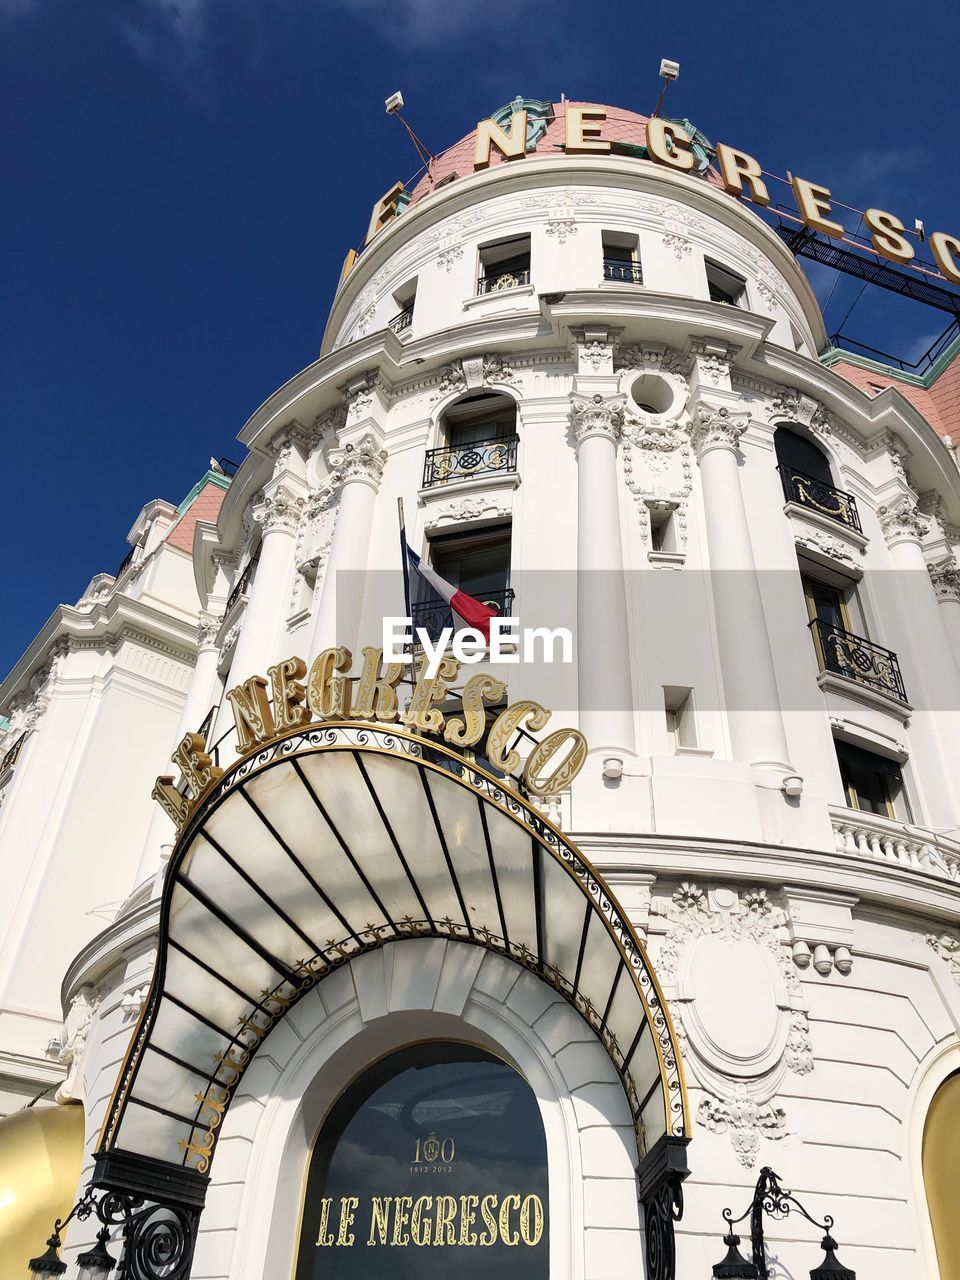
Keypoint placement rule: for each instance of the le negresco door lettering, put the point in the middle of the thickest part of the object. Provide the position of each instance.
(437, 1151)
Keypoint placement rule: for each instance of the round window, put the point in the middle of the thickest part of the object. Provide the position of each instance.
(435, 1156)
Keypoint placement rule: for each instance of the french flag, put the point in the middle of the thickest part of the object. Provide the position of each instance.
(429, 586)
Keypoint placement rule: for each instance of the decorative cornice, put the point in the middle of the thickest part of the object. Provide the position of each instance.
(594, 416)
(362, 463)
(713, 359)
(712, 428)
(945, 576)
(903, 522)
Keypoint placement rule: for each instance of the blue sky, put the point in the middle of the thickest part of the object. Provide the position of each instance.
(183, 179)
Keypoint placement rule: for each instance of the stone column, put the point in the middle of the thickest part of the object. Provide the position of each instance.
(749, 679)
(945, 578)
(202, 693)
(602, 644)
(278, 513)
(935, 659)
(358, 470)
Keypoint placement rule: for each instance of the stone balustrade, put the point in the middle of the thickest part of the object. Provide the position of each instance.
(868, 836)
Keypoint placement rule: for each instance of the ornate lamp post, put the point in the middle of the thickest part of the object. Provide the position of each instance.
(49, 1263)
(769, 1197)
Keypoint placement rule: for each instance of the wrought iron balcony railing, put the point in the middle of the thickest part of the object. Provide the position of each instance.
(819, 496)
(432, 616)
(497, 283)
(622, 272)
(9, 758)
(463, 462)
(242, 585)
(400, 323)
(844, 654)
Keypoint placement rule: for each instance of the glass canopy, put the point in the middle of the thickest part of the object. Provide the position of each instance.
(338, 839)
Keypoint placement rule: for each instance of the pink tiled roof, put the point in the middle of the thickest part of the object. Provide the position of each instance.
(939, 403)
(205, 506)
(619, 126)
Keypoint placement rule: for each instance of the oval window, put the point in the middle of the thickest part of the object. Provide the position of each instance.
(435, 1158)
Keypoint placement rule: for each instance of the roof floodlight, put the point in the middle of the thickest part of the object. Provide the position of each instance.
(669, 70)
(394, 103)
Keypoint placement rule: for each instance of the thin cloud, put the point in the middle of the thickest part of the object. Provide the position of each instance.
(415, 24)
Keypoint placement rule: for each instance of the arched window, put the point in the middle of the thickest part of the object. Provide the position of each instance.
(797, 452)
(941, 1160)
(432, 1164)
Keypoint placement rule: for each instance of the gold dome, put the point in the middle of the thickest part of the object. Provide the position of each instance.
(41, 1154)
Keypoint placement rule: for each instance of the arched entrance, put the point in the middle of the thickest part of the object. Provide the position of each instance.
(335, 841)
(435, 1157)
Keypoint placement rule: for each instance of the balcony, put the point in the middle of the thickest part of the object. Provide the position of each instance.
(465, 461)
(844, 654)
(242, 585)
(402, 322)
(9, 758)
(819, 496)
(622, 272)
(499, 282)
(433, 616)
(867, 835)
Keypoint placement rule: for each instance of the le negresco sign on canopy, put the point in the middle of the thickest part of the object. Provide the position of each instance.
(291, 697)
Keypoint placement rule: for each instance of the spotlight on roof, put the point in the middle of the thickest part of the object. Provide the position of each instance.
(394, 103)
(669, 70)
(918, 227)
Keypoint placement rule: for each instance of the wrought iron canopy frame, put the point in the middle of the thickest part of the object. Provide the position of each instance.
(340, 838)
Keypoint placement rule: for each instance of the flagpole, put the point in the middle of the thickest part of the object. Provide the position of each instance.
(403, 557)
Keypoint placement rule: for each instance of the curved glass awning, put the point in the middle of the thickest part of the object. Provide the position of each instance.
(335, 840)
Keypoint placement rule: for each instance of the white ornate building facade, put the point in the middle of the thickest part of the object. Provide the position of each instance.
(598, 385)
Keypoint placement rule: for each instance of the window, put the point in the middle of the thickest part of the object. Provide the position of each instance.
(724, 285)
(663, 530)
(439, 1144)
(477, 563)
(621, 261)
(872, 783)
(806, 478)
(405, 299)
(479, 436)
(681, 723)
(504, 265)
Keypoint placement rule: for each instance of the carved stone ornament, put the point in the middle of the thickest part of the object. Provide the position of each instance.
(767, 293)
(746, 1120)
(788, 404)
(290, 446)
(903, 522)
(678, 244)
(734, 941)
(450, 380)
(359, 395)
(208, 628)
(947, 948)
(279, 510)
(561, 228)
(595, 416)
(819, 540)
(449, 255)
(498, 368)
(715, 429)
(945, 576)
(472, 508)
(362, 463)
(73, 1040)
(714, 360)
